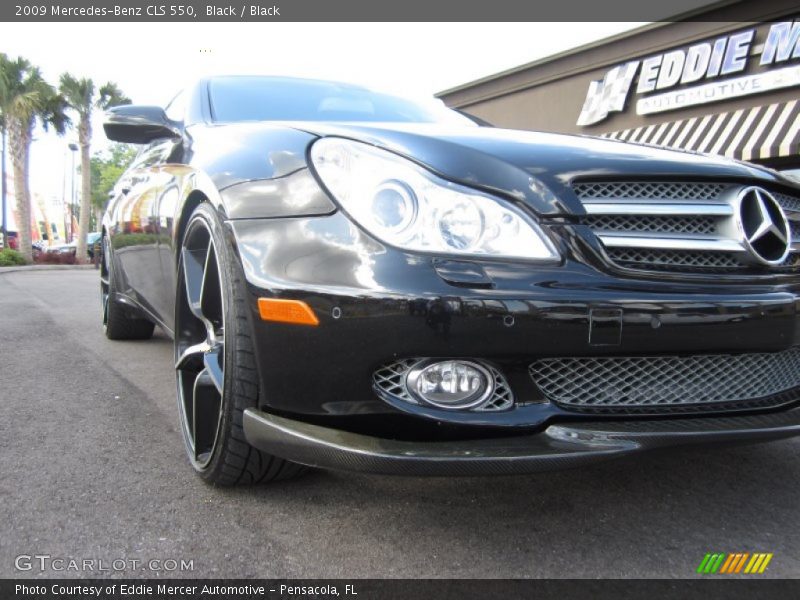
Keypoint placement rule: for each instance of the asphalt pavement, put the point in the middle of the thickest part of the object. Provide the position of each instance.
(92, 467)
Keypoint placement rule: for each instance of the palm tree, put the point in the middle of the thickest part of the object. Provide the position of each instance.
(81, 97)
(26, 97)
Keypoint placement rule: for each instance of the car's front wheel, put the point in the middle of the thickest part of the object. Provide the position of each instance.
(214, 360)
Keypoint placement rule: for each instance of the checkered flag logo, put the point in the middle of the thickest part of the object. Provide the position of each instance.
(609, 94)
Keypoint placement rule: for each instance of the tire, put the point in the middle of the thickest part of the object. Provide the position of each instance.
(119, 323)
(216, 371)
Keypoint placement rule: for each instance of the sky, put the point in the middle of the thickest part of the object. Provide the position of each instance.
(152, 61)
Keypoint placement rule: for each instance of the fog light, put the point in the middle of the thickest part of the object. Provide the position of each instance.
(450, 383)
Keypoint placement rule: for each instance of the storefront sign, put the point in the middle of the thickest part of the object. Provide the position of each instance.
(715, 62)
(721, 90)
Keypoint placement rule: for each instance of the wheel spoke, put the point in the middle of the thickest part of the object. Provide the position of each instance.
(192, 356)
(213, 361)
(206, 402)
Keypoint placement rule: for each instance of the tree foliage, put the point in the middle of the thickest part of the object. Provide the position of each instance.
(25, 100)
(83, 98)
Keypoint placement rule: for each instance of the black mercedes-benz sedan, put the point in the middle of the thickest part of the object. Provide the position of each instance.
(359, 281)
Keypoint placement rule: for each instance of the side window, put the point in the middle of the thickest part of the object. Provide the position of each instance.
(154, 153)
(176, 109)
(143, 159)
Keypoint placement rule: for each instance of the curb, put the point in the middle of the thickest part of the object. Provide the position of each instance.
(4, 270)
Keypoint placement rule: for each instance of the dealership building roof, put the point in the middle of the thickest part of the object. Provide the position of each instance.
(725, 80)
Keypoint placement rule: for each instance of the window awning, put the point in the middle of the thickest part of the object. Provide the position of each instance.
(760, 132)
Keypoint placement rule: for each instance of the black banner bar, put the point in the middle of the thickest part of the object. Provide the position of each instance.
(364, 10)
(730, 588)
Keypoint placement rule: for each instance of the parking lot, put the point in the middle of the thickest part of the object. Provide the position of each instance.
(93, 467)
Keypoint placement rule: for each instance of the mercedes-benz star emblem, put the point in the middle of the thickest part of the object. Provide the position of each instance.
(765, 227)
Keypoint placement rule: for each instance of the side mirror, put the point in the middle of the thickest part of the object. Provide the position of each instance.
(134, 124)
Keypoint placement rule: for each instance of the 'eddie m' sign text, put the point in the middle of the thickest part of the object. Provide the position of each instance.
(711, 65)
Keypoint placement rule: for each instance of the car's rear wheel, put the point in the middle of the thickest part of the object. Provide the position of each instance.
(214, 360)
(119, 321)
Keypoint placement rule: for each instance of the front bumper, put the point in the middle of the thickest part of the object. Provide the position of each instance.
(556, 447)
(377, 304)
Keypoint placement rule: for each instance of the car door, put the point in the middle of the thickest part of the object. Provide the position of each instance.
(166, 207)
(134, 238)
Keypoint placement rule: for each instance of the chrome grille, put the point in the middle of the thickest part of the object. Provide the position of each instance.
(649, 190)
(665, 381)
(656, 224)
(789, 203)
(640, 258)
(391, 378)
(675, 226)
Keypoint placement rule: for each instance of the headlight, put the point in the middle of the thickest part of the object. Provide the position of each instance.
(406, 206)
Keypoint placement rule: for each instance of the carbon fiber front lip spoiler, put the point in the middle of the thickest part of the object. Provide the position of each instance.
(557, 447)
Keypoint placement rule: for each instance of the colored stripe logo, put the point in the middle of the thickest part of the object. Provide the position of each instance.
(737, 562)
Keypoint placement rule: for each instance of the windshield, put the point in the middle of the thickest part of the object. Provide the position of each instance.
(283, 99)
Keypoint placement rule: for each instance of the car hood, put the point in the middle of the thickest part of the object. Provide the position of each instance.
(538, 168)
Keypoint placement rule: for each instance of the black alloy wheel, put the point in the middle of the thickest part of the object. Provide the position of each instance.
(214, 360)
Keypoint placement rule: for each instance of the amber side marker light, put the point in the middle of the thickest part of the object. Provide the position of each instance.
(286, 311)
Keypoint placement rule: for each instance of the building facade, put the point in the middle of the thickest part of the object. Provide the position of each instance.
(725, 81)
